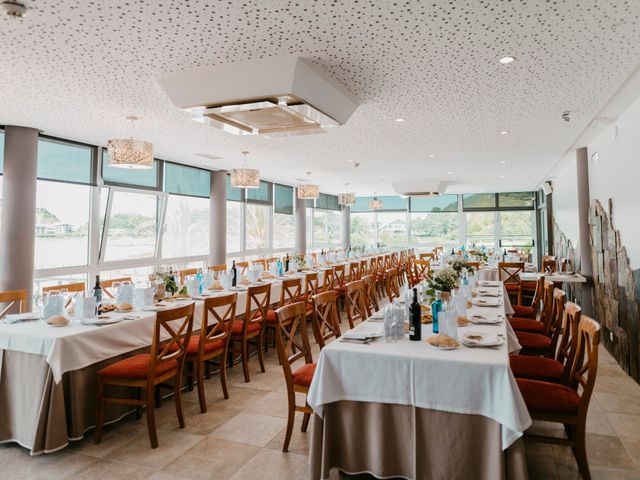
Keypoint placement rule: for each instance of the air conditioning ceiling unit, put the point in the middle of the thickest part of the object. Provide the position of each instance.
(272, 97)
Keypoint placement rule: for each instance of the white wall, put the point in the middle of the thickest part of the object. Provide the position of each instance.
(616, 175)
(565, 198)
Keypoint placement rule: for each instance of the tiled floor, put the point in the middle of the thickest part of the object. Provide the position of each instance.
(241, 438)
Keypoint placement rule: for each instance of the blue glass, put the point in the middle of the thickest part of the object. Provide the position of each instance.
(435, 308)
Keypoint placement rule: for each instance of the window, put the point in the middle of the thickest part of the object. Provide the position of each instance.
(523, 200)
(263, 194)
(234, 223)
(65, 162)
(392, 228)
(133, 227)
(186, 227)
(319, 228)
(62, 225)
(184, 180)
(333, 228)
(481, 228)
(440, 203)
(283, 231)
(482, 201)
(434, 229)
(233, 193)
(256, 226)
(516, 228)
(363, 230)
(139, 177)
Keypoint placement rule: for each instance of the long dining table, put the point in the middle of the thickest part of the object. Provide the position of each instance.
(404, 409)
(48, 374)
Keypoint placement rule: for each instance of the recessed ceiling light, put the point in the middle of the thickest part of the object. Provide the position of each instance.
(399, 120)
(431, 155)
(507, 59)
(504, 132)
(503, 161)
(450, 172)
(350, 161)
(383, 176)
(501, 176)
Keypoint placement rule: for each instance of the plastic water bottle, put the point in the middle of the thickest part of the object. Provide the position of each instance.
(199, 278)
(436, 306)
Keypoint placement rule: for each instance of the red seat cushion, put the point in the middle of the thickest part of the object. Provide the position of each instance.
(534, 341)
(304, 374)
(194, 341)
(271, 316)
(526, 325)
(548, 397)
(512, 287)
(536, 368)
(530, 286)
(524, 311)
(237, 326)
(136, 367)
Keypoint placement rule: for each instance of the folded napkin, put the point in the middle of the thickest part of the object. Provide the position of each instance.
(443, 342)
(482, 339)
(58, 320)
(216, 285)
(267, 275)
(489, 293)
(244, 281)
(21, 317)
(488, 283)
(486, 302)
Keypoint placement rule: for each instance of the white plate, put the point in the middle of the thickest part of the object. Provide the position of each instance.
(486, 302)
(102, 321)
(481, 344)
(482, 320)
(117, 310)
(488, 283)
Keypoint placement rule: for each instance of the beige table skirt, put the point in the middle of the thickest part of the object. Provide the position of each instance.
(42, 415)
(390, 440)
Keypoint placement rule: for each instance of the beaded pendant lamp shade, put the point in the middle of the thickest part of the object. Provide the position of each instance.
(130, 153)
(346, 199)
(245, 177)
(375, 204)
(308, 192)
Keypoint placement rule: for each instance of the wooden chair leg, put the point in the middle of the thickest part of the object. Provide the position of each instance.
(580, 451)
(305, 422)
(260, 341)
(200, 380)
(177, 394)
(97, 435)
(290, 419)
(151, 421)
(223, 377)
(245, 359)
(191, 376)
(138, 407)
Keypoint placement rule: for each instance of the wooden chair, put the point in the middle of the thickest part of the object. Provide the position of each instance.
(536, 325)
(549, 257)
(544, 344)
(325, 322)
(552, 402)
(218, 268)
(70, 287)
(11, 297)
(291, 292)
(187, 272)
(364, 267)
(370, 295)
(392, 285)
(428, 256)
(291, 320)
(474, 265)
(556, 369)
(354, 271)
(355, 303)
(242, 267)
(509, 273)
(530, 312)
(108, 284)
(437, 251)
(143, 372)
(421, 270)
(262, 262)
(212, 342)
(338, 278)
(252, 326)
(549, 266)
(328, 280)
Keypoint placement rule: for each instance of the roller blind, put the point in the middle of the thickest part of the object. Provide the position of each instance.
(440, 203)
(186, 180)
(263, 194)
(327, 202)
(283, 199)
(65, 162)
(234, 194)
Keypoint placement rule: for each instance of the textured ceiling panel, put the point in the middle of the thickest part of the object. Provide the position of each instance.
(76, 69)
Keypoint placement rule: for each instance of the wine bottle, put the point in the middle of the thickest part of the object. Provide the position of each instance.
(234, 274)
(97, 291)
(415, 325)
(286, 264)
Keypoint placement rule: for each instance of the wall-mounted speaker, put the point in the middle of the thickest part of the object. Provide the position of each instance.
(547, 188)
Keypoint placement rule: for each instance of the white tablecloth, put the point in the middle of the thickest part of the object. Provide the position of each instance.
(465, 380)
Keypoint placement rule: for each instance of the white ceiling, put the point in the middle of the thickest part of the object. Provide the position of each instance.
(77, 68)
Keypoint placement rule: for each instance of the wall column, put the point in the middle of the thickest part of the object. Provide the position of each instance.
(300, 222)
(345, 227)
(586, 261)
(218, 218)
(17, 240)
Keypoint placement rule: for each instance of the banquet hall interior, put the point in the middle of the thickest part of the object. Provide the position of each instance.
(320, 239)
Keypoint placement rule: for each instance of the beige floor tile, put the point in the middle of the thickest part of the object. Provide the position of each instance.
(543, 469)
(61, 464)
(203, 423)
(113, 471)
(613, 474)
(271, 464)
(602, 451)
(622, 385)
(11, 453)
(300, 441)
(211, 458)
(162, 476)
(597, 420)
(618, 403)
(275, 404)
(632, 445)
(171, 446)
(625, 425)
(250, 428)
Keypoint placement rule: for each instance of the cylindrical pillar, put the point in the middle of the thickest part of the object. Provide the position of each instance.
(17, 240)
(218, 218)
(345, 227)
(300, 222)
(582, 174)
